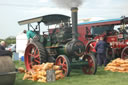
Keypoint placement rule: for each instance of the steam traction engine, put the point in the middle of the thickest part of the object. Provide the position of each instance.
(60, 44)
(115, 32)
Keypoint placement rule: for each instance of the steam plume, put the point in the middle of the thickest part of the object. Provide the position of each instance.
(68, 3)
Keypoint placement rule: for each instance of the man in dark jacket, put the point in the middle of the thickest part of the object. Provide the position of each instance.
(101, 52)
(4, 52)
(2, 45)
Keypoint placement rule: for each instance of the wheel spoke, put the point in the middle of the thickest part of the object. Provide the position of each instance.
(90, 71)
(85, 69)
(31, 64)
(32, 51)
(64, 62)
(59, 61)
(36, 51)
(29, 54)
(127, 50)
(36, 56)
(90, 63)
(65, 70)
(65, 65)
(125, 53)
(37, 61)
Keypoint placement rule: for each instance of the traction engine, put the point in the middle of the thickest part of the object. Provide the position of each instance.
(117, 39)
(60, 45)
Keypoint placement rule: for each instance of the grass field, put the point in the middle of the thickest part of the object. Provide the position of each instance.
(78, 78)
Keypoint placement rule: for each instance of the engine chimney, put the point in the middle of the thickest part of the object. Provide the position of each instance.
(74, 23)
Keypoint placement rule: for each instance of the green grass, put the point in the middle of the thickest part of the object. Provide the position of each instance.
(78, 78)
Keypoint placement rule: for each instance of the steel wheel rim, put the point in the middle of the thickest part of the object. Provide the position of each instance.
(88, 69)
(62, 61)
(124, 54)
(32, 56)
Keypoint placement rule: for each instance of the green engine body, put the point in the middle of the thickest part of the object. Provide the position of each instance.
(60, 42)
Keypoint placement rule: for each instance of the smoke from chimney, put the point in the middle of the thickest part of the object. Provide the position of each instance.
(68, 3)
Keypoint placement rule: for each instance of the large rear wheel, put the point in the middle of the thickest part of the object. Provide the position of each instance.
(63, 61)
(35, 54)
(91, 68)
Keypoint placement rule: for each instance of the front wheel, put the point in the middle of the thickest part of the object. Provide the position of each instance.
(91, 68)
(63, 61)
(124, 53)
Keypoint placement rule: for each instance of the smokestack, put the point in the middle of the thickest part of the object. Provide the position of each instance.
(74, 23)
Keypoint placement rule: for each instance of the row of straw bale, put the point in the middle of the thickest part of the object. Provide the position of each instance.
(118, 65)
(39, 72)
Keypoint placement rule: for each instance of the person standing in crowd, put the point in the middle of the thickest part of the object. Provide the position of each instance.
(93, 51)
(4, 52)
(93, 45)
(101, 52)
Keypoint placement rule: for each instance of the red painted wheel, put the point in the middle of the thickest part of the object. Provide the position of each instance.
(63, 61)
(34, 55)
(91, 68)
(124, 53)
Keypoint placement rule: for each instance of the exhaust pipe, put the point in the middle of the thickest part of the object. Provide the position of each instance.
(74, 23)
(75, 48)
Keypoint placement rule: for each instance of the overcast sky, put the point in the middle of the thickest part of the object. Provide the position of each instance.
(12, 11)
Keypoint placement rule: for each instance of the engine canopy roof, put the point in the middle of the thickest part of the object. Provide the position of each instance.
(47, 19)
(116, 21)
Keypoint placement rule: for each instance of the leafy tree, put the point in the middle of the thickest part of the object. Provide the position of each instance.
(1, 40)
(10, 40)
